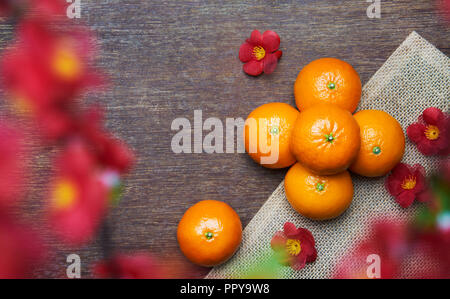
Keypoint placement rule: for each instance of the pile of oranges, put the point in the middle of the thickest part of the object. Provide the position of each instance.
(320, 141)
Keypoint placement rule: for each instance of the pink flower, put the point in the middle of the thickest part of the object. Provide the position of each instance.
(79, 197)
(260, 53)
(407, 183)
(54, 72)
(294, 246)
(137, 266)
(432, 133)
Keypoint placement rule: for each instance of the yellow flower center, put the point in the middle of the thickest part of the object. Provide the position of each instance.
(259, 52)
(64, 195)
(432, 132)
(409, 183)
(66, 64)
(293, 247)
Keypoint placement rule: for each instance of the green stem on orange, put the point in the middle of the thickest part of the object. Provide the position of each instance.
(329, 137)
(320, 186)
(376, 150)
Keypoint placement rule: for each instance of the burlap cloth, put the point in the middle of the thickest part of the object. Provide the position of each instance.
(415, 77)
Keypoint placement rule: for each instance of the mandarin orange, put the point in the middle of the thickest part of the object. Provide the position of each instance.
(268, 132)
(328, 80)
(325, 139)
(209, 233)
(318, 197)
(382, 143)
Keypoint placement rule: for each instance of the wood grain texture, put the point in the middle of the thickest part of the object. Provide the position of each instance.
(168, 58)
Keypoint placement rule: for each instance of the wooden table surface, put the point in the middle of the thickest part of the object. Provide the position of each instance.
(169, 58)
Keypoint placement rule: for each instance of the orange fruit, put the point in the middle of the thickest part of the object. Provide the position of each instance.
(325, 139)
(318, 197)
(382, 143)
(328, 80)
(209, 233)
(267, 133)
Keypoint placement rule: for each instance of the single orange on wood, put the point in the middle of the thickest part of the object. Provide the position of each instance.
(318, 197)
(328, 80)
(267, 133)
(325, 139)
(209, 233)
(382, 143)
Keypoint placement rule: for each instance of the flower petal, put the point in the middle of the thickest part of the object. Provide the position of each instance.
(305, 234)
(311, 257)
(298, 263)
(253, 68)
(270, 41)
(290, 230)
(433, 116)
(278, 54)
(416, 132)
(393, 185)
(419, 174)
(428, 147)
(270, 63)
(246, 52)
(308, 246)
(255, 38)
(278, 241)
(405, 199)
(424, 196)
(401, 171)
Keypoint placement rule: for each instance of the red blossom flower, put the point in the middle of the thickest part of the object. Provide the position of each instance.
(137, 266)
(260, 53)
(79, 197)
(20, 249)
(294, 246)
(407, 183)
(432, 133)
(11, 165)
(54, 71)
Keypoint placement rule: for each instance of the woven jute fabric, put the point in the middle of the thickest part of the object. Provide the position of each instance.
(415, 76)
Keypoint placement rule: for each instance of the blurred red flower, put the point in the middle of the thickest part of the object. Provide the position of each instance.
(407, 183)
(137, 266)
(5, 7)
(49, 7)
(46, 8)
(432, 133)
(79, 197)
(444, 9)
(388, 240)
(294, 246)
(434, 248)
(11, 165)
(54, 71)
(20, 249)
(260, 53)
(110, 151)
